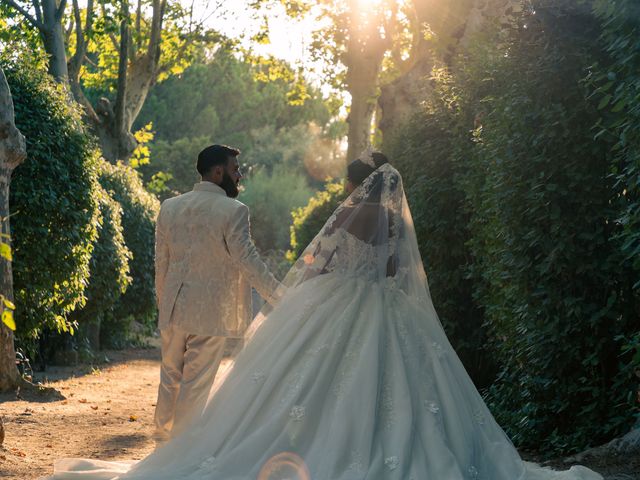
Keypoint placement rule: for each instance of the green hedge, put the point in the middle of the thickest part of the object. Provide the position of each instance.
(139, 212)
(430, 151)
(53, 202)
(308, 220)
(550, 275)
(109, 269)
(615, 83)
(503, 166)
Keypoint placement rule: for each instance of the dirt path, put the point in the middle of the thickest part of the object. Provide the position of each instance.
(108, 414)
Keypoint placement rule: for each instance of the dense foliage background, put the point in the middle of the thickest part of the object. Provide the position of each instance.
(523, 219)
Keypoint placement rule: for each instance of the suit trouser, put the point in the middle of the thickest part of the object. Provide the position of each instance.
(189, 366)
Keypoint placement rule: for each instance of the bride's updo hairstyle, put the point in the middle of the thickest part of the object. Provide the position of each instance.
(358, 170)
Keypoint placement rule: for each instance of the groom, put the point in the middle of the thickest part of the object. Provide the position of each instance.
(205, 264)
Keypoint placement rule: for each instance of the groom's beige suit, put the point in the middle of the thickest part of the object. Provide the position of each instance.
(206, 264)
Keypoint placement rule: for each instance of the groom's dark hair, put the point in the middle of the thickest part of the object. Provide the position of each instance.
(215, 155)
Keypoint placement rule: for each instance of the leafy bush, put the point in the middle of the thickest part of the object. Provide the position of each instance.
(430, 151)
(616, 87)
(517, 214)
(554, 286)
(139, 212)
(53, 200)
(308, 220)
(271, 199)
(109, 269)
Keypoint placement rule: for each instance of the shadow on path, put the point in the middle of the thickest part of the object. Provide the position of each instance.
(115, 445)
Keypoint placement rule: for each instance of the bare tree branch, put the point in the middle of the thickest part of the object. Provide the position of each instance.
(88, 19)
(219, 5)
(121, 96)
(76, 60)
(39, 25)
(80, 97)
(69, 30)
(138, 25)
(60, 11)
(38, 9)
(112, 37)
(155, 37)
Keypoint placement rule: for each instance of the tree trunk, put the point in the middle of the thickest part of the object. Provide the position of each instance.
(399, 99)
(53, 38)
(142, 76)
(12, 153)
(136, 77)
(363, 90)
(365, 50)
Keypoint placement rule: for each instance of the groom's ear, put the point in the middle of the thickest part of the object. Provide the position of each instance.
(217, 171)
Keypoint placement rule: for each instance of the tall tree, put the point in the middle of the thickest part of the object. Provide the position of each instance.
(12, 153)
(363, 45)
(380, 51)
(366, 44)
(365, 38)
(119, 46)
(138, 68)
(46, 16)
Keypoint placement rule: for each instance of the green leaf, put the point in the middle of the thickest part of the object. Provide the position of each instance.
(604, 102)
(620, 105)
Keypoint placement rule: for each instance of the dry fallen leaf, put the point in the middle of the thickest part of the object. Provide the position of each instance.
(133, 418)
(83, 400)
(94, 407)
(18, 453)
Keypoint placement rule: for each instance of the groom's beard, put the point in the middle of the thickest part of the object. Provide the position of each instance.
(230, 186)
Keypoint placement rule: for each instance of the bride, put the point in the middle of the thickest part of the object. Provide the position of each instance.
(349, 377)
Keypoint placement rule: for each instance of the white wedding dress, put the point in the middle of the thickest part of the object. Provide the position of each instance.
(349, 377)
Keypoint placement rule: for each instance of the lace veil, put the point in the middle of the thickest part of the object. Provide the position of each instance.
(370, 236)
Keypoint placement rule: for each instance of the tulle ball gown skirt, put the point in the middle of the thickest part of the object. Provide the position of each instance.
(345, 380)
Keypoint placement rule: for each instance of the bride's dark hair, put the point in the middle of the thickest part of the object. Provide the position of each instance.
(357, 170)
